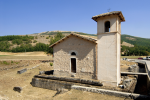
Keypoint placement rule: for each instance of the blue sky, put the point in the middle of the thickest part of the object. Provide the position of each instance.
(20, 17)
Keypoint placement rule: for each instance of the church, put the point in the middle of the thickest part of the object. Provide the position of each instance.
(86, 57)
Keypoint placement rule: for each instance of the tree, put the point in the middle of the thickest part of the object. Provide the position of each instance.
(57, 37)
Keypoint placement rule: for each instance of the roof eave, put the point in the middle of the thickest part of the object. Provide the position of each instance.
(93, 40)
(119, 14)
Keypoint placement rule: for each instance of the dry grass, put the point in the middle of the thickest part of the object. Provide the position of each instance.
(25, 56)
(38, 53)
(127, 44)
(10, 78)
(131, 57)
(125, 65)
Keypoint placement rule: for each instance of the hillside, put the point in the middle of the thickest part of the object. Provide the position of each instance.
(41, 41)
(138, 41)
(126, 44)
(128, 40)
(63, 32)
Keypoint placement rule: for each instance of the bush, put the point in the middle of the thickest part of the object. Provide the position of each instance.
(28, 41)
(4, 46)
(51, 64)
(47, 37)
(36, 37)
(17, 41)
(34, 41)
(12, 62)
(17, 62)
(14, 37)
(6, 63)
(57, 37)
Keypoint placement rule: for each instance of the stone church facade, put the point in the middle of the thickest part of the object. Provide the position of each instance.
(85, 57)
(75, 56)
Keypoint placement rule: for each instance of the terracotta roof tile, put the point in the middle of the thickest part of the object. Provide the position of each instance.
(89, 38)
(119, 13)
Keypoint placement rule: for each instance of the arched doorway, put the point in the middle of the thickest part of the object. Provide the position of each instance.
(73, 62)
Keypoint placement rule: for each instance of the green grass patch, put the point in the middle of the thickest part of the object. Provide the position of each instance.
(12, 62)
(51, 64)
(17, 62)
(5, 63)
(4, 55)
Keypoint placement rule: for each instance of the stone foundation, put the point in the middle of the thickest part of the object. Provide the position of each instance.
(54, 83)
(50, 84)
(86, 75)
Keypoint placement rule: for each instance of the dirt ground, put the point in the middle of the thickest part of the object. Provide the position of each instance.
(125, 65)
(10, 78)
(25, 56)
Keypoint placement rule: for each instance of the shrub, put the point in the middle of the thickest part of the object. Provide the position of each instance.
(6, 63)
(17, 41)
(28, 41)
(17, 62)
(51, 64)
(57, 37)
(47, 37)
(36, 37)
(34, 41)
(12, 62)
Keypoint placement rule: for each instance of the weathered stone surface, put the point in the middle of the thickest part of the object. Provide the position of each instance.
(85, 58)
(41, 72)
(50, 84)
(70, 79)
(111, 92)
(22, 71)
(18, 89)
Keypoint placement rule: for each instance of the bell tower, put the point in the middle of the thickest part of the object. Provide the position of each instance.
(109, 39)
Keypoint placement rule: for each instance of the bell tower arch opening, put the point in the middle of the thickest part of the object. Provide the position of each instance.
(107, 26)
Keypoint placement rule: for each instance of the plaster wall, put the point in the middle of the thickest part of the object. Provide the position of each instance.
(85, 58)
(113, 23)
(109, 50)
(107, 59)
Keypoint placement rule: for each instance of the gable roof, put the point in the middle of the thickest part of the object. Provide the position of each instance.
(119, 13)
(91, 39)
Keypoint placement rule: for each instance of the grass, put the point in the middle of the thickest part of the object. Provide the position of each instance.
(4, 55)
(26, 58)
(131, 57)
(51, 64)
(17, 62)
(5, 63)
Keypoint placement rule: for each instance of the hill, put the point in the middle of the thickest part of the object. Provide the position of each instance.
(138, 41)
(141, 45)
(124, 38)
(41, 42)
(63, 32)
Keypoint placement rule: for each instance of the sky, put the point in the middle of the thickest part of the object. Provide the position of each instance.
(21, 17)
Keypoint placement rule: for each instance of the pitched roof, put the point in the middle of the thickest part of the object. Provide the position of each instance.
(89, 38)
(119, 13)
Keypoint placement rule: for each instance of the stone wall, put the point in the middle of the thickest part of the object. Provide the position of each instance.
(50, 84)
(85, 58)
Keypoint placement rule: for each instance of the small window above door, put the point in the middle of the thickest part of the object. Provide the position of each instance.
(73, 54)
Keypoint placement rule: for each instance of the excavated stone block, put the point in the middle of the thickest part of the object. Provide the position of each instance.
(22, 71)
